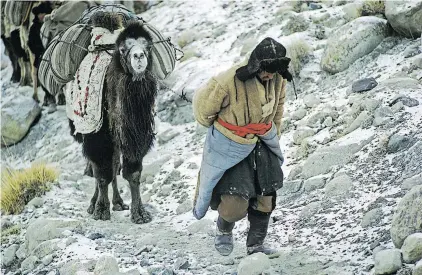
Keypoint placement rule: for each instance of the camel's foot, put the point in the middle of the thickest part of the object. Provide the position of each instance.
(91, 209)
(118, 205)
(139, 214)
(35, 97)
(101, 211)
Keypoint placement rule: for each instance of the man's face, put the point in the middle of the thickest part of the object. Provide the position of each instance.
(265, 76)
(41, 16)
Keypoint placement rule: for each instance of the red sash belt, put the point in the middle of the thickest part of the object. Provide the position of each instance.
(242, 131)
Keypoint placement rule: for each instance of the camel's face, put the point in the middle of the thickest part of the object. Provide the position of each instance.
(135, 54)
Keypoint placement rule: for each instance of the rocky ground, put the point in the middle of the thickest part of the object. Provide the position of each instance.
(353, 189)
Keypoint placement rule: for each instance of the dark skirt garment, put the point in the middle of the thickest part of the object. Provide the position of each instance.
(258, 174)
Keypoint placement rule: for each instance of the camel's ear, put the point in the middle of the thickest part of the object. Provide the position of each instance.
(122, 50)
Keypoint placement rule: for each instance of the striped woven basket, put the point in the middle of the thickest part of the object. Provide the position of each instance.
(17, 11)
(69, 51)
(45, 73)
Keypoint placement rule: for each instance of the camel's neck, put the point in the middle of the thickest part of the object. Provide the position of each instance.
(131, 112)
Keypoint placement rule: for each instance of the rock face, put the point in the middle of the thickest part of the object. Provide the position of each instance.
(339, 153)
(409, 183)
(408, 216)
(17, 116)
(387, 261)
(405, 17)
(352, 41)
(412, 248)
(254, 264)
(9, 254)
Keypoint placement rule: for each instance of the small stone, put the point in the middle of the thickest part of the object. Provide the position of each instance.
(143, 249)
(106, 265)
(398, 143)
(184, 207)
(291, 238)
(328, 122)
(382, 116)
(372, 218)
(9, 255)
(300, 134)
(314, 6)
(47, 260)
(5, 223)
(37, 202)
(370, 105)
(21, 253)
(412, 248)
(388, 261)
(146, 197)
(160, 271)
(193, 166)
(314, 183)
(254, 264)
(181, 264)
(374, 244)
(290, 187)
(70, 241)
(298, 114)
(311, 100)
(165, 190)
(95, 236)
(149, 180)
(339, 187)
(178, 162)
(29, 263)
(399, 106)
(407, 101)
(167, 135)
(363, 85)
(360, 121)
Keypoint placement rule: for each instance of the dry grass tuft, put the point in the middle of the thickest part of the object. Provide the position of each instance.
(18, 187)
(297, 50)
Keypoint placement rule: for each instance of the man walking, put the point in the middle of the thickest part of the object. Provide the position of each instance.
(241, 166)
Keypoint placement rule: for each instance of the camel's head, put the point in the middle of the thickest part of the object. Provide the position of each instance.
(134, 47)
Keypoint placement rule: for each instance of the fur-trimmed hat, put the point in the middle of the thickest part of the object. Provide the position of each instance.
(269, 56)
(44, 7)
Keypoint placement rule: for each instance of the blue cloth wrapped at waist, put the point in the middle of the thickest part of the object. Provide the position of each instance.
(220, 154)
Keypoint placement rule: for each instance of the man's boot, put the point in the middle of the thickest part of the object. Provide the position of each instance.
(257, 232)
(224, 238)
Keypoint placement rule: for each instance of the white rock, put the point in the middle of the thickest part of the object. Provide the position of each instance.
(17, 116)
(314, 183)
(372, 218)
(382, 116)
(311, 100)
(201, 226)
(352, 41)
(254, 264)
(407, 218)
(37, 202)
(417, 270)
(328, 122)
(21, 253)
(387, 261)
(298, 114)
(166, 190)
(29, 263)
(300, 134)
(106, 265)
(47, 260)
(339, 187)
(45, 248)
(405, 17)
(167, 135)
(412, 248)
(9, 254)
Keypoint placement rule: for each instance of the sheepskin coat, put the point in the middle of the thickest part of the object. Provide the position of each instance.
(240, 103)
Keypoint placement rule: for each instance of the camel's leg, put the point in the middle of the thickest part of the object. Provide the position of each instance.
(132, 173)
(99, 150)
(94, 198)
(88, 170)
(118, 204)
(35, 82)
(102, 205)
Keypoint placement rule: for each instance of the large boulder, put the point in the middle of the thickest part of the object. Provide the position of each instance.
(352, 41)
(339, 153)
(388, 261)
(405, 17)
(18, 113)
(408, 216)
(42, 230)
(412, 248)
(254, 264)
